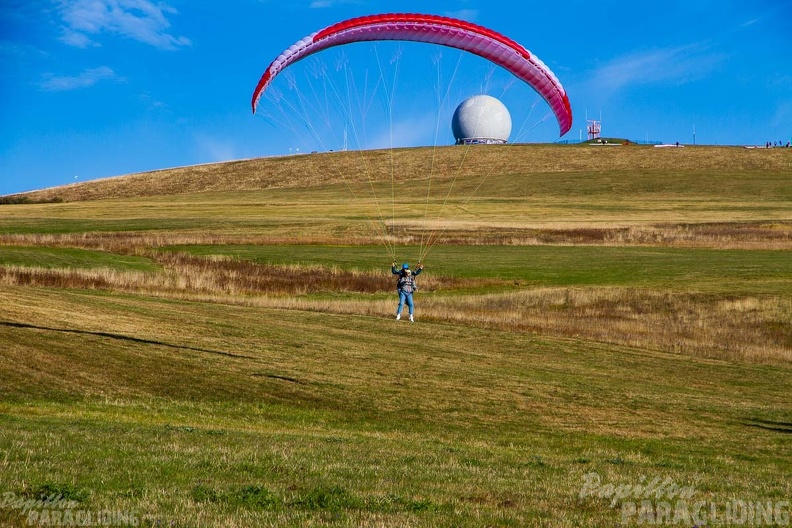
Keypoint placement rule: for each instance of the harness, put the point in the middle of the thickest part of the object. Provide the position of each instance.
(406, 284)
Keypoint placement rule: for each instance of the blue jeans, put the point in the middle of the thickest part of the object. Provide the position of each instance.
(402, 298)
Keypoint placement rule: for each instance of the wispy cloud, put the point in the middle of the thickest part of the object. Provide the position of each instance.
(213, 149)
(408, 132)
(770, 11)
(783, 114)
(151, 103)
(85, 79)
(77, 39)
(321, 4)
(464, 14)
(141, 20)
(18, 49)
(673, 66)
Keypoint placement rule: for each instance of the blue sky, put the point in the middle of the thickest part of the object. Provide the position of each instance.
(97, 88)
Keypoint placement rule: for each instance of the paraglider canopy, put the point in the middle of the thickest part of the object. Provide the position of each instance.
(445, 31)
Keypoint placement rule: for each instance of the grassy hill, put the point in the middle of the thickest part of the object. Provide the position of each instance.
(416, 164)
(215, 345)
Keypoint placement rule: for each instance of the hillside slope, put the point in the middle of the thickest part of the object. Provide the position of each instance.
(216, 346)
(417, 163)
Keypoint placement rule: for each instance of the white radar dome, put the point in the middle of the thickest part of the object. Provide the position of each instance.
(481, 119)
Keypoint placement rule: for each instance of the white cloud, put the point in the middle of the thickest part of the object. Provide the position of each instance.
(84, 80)
(77, 39)
(673, 66)
(140, 20)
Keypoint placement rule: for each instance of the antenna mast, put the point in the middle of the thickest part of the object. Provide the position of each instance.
(594, 127)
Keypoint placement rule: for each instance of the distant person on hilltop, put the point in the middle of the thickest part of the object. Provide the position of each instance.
(406, 286)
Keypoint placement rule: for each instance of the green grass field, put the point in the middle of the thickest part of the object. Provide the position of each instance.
(709, 270)
(228, 356)
(49, 257)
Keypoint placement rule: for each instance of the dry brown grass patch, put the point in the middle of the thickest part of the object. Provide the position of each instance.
(411, 164)
(751, 328)
(725, 235)
(220, 276)
(746, 328)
